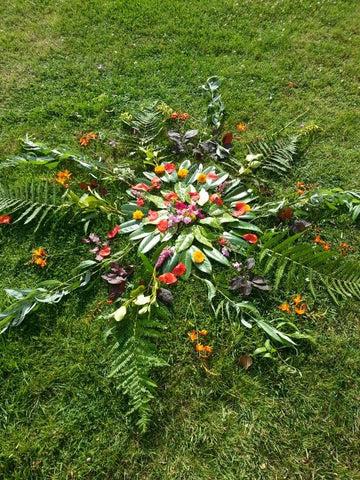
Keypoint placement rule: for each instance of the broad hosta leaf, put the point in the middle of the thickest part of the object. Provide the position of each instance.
(200, 237)
(184, 241)
(217, 256)
(149, 242)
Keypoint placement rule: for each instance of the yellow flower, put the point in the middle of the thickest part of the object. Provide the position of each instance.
(193, 336)
(138, 215)
(183, 173)
(241, 127)
(201, 178)
(159, 170)
(198, 256)
(297, 299)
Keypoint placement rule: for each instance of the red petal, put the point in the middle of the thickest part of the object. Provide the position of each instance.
(180, 269)
(169, 167)
(141, 186)
(105, 251)
(250, 237)
(168, 278)
(5, 219)
(113, 232)
(162, 225)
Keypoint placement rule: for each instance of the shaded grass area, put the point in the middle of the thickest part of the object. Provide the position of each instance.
(68, 69)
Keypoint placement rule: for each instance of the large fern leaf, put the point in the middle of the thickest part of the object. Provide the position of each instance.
(134, 355)
(277, 154)
(33, 201)
(145, 126)
(292, 262)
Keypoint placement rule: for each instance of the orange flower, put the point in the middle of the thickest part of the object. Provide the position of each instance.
(241, 127)
(208, 349)
(199, 347)
(297, 299)
(182, 173)
(318, 239)
(62, 177)
(159, 170)
(162, 226)
(138, 215)
(327, 246)
(193, 336)
(40, 261)
(168, 278)
(174, 115)
(203, 332)
(85, 139)
(201, 178)
(285, 307)
(40, 252)
(198, 257)
(301, 310)
(215, 197)
(184, 116)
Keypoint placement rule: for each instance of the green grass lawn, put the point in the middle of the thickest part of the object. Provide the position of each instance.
(70, 67)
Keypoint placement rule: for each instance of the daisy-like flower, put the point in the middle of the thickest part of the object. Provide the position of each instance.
(198, 257)
(201, 178)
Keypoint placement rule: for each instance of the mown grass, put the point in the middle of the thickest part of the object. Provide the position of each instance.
(67, 68)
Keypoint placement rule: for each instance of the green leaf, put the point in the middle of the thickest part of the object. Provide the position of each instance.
(130, 226)
(149, 242)
(184, 240)
(185, 258)
(217, 256)
(157, 201)
(211, 289)
(200, 237)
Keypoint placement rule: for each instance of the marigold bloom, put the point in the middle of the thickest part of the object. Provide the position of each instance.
(301, 310)
(182, 173)
(159, 170)
(297, 299)
(138, 215)
(193, 336)
(168, 278)
(5, 219)
(241, 127)
(162, 226)
(179, 270)
(250, 237)
(198, 257)
(201, 178)
(285, 307)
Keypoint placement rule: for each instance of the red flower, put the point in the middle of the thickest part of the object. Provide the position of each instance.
(168, 278)
(212, 176)
(194, 196)
(152, 215)
(104, 251)
(222, 241)
(184, 116)
(171, 196)
(113, 232)
(156, 182)
(215, 197)
(175, 115)
(180, 269)
(5, 219)
(140, 202)
(162, 225)
(141, 186)
(169, 167)
(250, 237)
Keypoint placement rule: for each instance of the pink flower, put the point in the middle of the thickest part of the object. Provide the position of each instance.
(152, 215)
(170, 167)
(104, 251)
(212, 176)
(141, 186)
(140, 202)
(172, 196)
(194, 196)
(156, 182)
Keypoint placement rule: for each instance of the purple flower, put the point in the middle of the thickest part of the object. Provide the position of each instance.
(237, 266)
(167, 252)
(225, 252)
(187, 220)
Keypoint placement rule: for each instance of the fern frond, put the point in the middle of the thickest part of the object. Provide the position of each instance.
(33, 200)
(277, 154)
(145, 126)
(133, 357)
(290, 261)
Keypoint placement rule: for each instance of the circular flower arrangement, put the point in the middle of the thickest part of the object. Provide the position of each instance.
(192, 215)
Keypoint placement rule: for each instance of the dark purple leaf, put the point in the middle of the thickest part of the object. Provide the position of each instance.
(249, 263)
(300, 225)
(165, 296)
